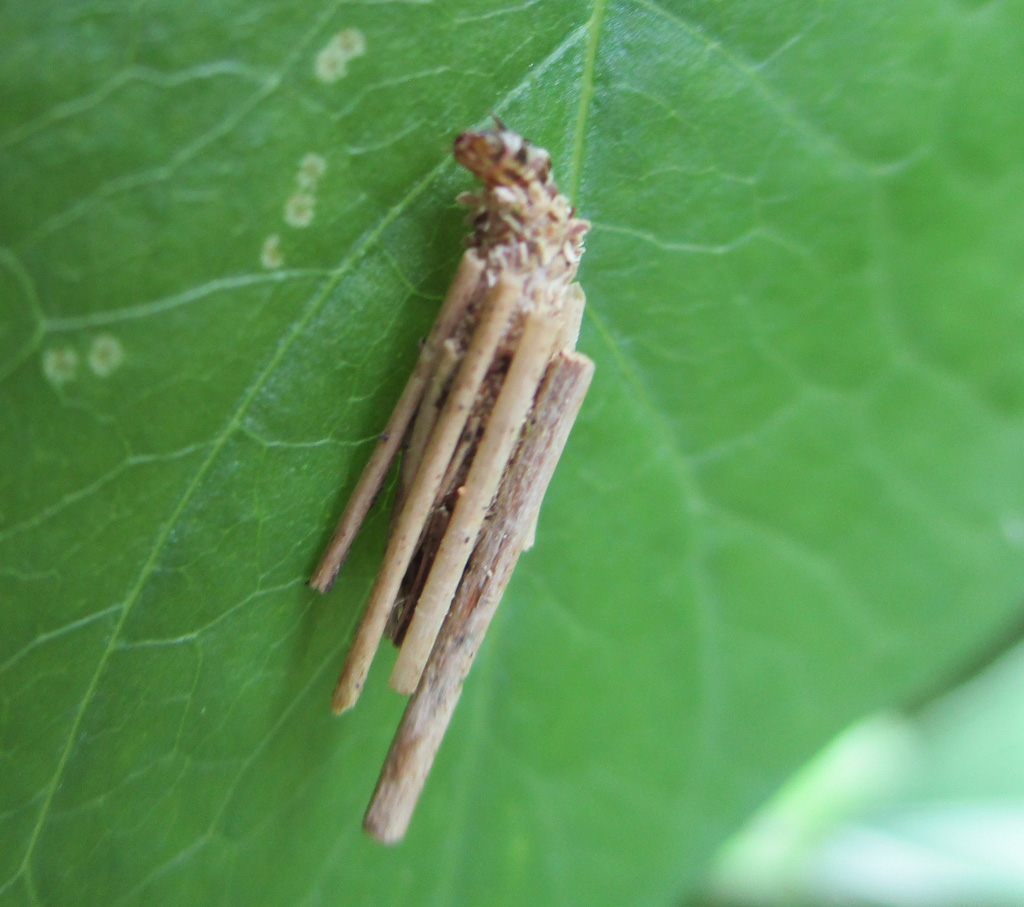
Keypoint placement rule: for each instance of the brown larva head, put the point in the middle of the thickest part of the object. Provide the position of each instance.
(500, 157)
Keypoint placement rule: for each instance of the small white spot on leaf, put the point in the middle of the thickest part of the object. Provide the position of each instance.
(60, 365)
(311, 168)
(105, 354)
(299, 209)
(332, 61)
(271, 256)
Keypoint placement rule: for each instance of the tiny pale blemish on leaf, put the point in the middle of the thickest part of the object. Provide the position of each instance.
(299, 209)
(332, 61)
(60, 365)
(311, 168)
(105, 354)
(271, 256)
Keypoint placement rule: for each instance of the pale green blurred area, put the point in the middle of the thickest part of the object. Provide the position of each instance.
(925, 810)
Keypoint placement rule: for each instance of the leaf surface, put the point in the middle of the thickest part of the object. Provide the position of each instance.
(795, 493)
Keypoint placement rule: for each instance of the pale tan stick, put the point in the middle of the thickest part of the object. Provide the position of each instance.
(571, 314)
(492, 323)
(531, 533)
(430, 709)
(426, 416)
(531, 357)
(573, 303)
(432, 532)
(422, 426)
(459, 296)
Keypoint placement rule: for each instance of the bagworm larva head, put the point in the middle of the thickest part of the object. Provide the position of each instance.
(500, 157)
(520, 222)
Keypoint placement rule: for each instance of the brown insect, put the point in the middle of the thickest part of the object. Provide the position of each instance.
(481, 424)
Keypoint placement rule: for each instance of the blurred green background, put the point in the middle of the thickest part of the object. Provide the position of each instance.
(906, 808)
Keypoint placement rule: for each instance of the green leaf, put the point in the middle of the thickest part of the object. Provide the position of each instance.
(795, 493)
(921, 807)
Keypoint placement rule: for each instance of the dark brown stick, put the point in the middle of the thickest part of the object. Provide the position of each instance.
(430, 709)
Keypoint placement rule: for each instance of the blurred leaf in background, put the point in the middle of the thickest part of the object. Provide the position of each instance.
(902, 810)
(795, 494)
